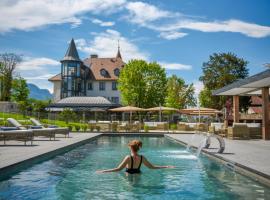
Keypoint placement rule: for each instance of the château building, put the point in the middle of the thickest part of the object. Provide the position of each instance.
(91, 77)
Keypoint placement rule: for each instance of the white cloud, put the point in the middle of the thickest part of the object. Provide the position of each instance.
(142, 13)
(38, 71)
(149, 16)
(102, 23)
(237, 26)
(175, 66)
(36, 64)
(30, 14)
(172, 35)
(105, 45)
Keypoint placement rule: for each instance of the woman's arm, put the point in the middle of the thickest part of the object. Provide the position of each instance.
(151, 166)
(119, 168)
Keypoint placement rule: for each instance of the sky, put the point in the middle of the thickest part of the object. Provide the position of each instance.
(178, 34)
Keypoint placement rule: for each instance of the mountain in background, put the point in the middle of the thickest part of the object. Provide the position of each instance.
(37, 93)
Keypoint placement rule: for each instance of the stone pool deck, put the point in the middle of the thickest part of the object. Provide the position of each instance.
(252, 155)
(15, 152)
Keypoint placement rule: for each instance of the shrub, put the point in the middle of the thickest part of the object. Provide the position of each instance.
(98, 128)
(70, 127)
(173, 126)
(84, 127)
(77, 127)
(146, 128)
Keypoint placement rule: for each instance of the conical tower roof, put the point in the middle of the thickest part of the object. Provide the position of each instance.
(72, 53)
(118, 55)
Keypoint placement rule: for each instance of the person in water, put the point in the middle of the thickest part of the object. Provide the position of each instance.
(133, 162)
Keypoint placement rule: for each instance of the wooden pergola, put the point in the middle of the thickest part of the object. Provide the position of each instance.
(258, 85)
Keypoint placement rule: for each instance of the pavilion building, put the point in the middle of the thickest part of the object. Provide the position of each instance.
(256, 85)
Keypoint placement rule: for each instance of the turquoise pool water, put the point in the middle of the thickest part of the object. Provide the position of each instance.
(72, 175)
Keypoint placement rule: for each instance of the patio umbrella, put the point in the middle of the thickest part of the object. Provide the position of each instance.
(160, 109)
(129, 109)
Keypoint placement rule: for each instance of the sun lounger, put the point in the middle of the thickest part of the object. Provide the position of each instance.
(46, 132)
(19, 135)
(58, 130)
(238, 131)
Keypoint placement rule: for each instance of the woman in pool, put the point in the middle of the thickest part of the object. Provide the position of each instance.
(133, 162)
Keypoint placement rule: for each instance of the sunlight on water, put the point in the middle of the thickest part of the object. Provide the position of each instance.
(72, 175)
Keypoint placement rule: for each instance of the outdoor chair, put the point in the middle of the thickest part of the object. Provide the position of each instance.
(191, 126)
(255, 130)
(45, 132)
(182, 126)
(104, 125)
(19, 135)
(201, 127)
(58, 130)
(123, 126)
(238, 131)
(164, 126)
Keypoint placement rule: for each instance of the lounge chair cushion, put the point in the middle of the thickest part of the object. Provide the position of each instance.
(52, 126)
(36, 127)
(8, 128)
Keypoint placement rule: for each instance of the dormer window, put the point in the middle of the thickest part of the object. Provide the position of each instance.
(103, 72)
(116, 72)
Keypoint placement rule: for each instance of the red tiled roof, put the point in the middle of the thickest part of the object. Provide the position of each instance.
(55, 78)
(109, 64)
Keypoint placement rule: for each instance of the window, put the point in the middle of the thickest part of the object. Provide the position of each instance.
(116, 72)
(114, 85)
(101, 85)
(103, 72)
(90, 86)
(115, 100)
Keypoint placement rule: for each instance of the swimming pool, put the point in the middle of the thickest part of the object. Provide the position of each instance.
(72, 175)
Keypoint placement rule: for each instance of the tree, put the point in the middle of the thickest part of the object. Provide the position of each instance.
(179, 94)
(39, 106)
(19, 90)
(221, 70)
(142, 84)
(19, 94)
(67, 115)
(8, 62)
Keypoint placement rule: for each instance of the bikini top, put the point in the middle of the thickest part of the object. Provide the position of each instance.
(131, 170)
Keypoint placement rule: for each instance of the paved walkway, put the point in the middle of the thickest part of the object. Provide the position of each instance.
(254, 154)
(15, 151)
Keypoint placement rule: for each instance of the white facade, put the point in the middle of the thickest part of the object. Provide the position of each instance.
(56, 91)
(108, 92)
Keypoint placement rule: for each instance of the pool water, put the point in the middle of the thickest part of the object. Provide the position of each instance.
(72, 175)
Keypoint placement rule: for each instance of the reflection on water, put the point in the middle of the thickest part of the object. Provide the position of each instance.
(72, 175)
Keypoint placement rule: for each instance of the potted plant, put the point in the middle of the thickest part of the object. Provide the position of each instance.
(146, 128)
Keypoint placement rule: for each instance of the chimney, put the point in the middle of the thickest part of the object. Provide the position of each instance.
(93, 56)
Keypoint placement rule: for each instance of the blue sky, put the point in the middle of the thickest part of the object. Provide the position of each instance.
(179, 34)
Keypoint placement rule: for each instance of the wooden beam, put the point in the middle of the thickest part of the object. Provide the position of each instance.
(235, 109)
(265, 114)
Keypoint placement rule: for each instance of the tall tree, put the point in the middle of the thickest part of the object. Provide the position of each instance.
(19, 90)
(179, 94)
(19, 94)
(142, 84)
(221, 69)
(8, 62)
